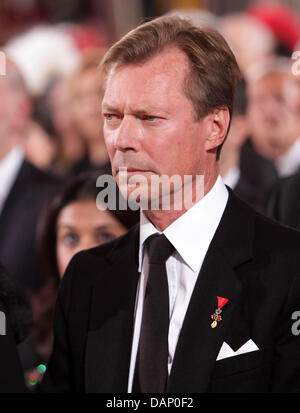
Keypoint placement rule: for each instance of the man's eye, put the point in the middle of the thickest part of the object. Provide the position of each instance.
(109, 116)
(150, 118)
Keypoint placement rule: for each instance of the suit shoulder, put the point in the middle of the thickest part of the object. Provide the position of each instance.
(121, 243)
(269, 235)
(39, 180)
(276, 234)
(88, 266)
(90, 261)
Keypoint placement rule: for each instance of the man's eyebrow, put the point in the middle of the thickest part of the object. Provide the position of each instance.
(138, 112)
(148, 110)
(109, 108)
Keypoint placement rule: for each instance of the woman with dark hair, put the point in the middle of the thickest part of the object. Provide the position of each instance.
(72, 222)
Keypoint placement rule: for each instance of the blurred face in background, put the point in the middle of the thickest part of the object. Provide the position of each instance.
(274, 114)
(59, 101)
(72, 145)
(6, 107)
(81, 225)
(15, 106)
(86, 98)
(40, 148)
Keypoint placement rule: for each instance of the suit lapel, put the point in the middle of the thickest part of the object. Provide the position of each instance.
(291, 201)
(199, 344)
(111, 322)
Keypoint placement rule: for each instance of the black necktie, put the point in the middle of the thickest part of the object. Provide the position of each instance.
(151, 371)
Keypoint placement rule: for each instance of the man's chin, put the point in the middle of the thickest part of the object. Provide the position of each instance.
(134, 192)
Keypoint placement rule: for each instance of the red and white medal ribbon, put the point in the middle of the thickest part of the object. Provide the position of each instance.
(217, 314)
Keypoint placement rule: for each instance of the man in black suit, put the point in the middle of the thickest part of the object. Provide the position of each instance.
(266, 110)
(284, 203)
(200, 297)
(273, 150)
(24, 188)
(243, 169)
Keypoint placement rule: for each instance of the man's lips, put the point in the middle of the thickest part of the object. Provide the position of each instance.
(131, 170)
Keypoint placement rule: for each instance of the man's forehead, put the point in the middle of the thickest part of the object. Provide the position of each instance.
(157, 77)
(172, 62)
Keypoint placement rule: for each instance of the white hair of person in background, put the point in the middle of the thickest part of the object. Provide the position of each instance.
(198, 17)
(273, 112)
(249, 39)
(44, 52)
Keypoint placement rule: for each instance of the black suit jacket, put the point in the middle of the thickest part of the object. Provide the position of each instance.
(11, 372)
(252, 261)
(258, 176)
(16, 311)
(18, 221)
(284, 203)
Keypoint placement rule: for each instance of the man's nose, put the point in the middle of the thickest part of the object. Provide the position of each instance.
(128, 135)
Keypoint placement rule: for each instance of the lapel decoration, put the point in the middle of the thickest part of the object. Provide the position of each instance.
(217, 314)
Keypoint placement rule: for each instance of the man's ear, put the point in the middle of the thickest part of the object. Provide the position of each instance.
(217, 124)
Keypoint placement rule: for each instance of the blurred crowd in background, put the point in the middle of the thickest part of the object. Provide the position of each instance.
(51, 144)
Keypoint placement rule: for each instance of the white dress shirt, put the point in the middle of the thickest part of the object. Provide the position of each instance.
(191, 235)
(9, 168)
(289, 163)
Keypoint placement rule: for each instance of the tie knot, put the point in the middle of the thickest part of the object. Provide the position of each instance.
(159, 248)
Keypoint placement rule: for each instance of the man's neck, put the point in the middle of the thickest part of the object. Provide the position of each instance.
(161, 219)
(229, 161)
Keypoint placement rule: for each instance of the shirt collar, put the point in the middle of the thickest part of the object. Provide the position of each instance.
(9, 168)
(289, 163)
(194, 230)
